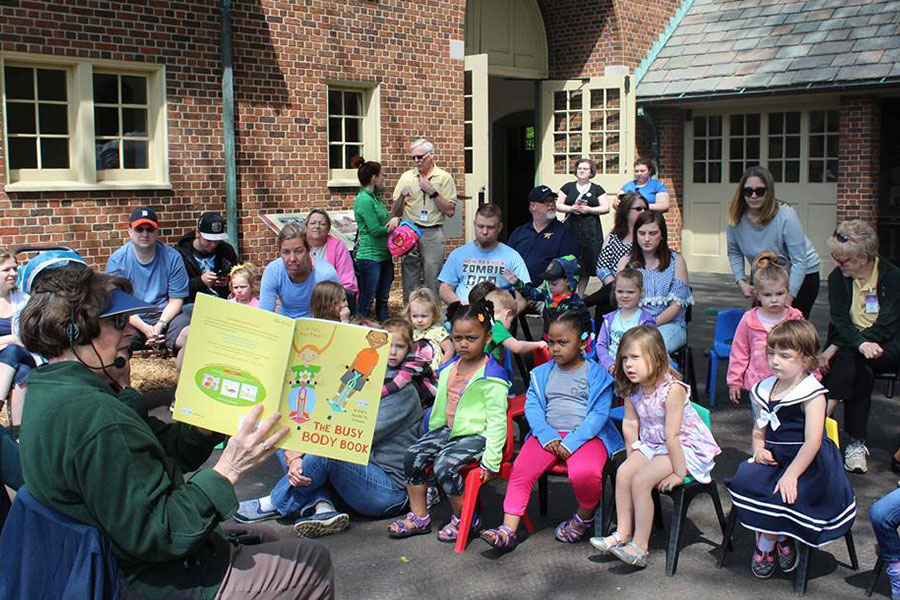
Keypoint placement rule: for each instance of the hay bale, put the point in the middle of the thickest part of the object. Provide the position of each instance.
(150, 373)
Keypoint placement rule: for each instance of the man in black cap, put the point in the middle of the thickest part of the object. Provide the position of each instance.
(545, 238)
(207, 257)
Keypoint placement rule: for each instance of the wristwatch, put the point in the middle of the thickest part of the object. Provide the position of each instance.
(165, 324)
(433, 195)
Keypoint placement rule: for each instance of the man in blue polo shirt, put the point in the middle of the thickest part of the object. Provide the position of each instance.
(546, 237)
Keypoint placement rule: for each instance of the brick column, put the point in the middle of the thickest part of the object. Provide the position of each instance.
(859, 158)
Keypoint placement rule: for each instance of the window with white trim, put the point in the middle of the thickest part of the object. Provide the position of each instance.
(823, 145)
(708, 149)
(352, 130)
(743, 144)
(784, 146)
(83, 125)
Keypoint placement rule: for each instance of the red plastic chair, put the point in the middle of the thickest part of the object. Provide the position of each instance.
(472, 473)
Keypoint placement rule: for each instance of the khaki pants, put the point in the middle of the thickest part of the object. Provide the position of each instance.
(296, 569)
(423, 265)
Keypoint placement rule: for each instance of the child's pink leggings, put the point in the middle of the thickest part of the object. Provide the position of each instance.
(585, 468)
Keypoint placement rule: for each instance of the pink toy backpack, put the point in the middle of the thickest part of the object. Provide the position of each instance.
(404, 238)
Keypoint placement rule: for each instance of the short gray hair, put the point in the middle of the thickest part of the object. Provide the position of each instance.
(428, 146)
(861, 239)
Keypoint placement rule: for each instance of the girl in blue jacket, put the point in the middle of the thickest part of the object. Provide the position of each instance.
(567, 407)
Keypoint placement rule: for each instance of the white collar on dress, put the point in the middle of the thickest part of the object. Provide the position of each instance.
(807, 389)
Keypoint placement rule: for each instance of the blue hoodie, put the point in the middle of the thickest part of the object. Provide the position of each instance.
(595, 424)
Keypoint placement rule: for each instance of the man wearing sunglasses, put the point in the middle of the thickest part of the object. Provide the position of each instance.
(425, 195)
(158, 276)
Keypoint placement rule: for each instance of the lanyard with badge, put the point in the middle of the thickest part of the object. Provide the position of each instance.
(871, 302)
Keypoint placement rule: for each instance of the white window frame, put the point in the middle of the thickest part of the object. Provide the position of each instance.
(371, 128)
(82, 173)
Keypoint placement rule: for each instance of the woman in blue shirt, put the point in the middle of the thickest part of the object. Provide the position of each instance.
(654, 191)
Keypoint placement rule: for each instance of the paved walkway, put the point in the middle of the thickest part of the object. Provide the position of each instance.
(369, 565)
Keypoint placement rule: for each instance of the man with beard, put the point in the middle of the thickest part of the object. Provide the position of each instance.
(545, 238)
(207, 257)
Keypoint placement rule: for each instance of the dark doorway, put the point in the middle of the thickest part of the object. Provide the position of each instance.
(889, 185)
(512, 172)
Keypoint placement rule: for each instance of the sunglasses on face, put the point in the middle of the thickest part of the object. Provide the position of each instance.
(418, 157)
(119, 321)
(759, 192)
(145, 229)
(842, 237)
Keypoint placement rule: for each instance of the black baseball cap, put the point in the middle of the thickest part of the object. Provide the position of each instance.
(212, 227)
(143, 215)
(540, 194)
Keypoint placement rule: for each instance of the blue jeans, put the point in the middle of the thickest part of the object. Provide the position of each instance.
(885, 517)
(18, 358)
(674, 334)
(374, 279)
(366, 489)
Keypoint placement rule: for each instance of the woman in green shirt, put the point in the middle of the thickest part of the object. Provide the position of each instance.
(90, 451)
(374, 264)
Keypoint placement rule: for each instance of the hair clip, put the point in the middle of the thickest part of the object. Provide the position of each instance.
(584, 335)
(480, 318)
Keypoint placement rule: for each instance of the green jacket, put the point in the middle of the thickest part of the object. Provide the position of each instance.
(98, 458)
(372, 217)
(842, 331)
(481, 409)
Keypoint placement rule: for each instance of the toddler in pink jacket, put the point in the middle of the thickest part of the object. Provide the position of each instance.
(748, 365)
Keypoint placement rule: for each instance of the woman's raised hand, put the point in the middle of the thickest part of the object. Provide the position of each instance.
(251, 446)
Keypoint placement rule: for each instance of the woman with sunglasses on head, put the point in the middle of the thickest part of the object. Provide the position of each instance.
(864, 296)
(758, 222)
(90, 451)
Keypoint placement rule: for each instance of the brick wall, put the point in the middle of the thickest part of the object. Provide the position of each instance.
(859, 158)
(284, 55)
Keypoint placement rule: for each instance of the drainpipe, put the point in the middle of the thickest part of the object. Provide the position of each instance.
(231, 212)
(642, 113)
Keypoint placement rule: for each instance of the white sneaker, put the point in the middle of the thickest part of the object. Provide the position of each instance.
(855, 457)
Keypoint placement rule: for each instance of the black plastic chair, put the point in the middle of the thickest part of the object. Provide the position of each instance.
(876, 573)
(684, 356)
(891, 379)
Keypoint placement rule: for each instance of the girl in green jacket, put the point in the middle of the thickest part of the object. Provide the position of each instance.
(467, 423)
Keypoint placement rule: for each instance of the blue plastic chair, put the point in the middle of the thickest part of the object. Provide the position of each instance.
(726, 324)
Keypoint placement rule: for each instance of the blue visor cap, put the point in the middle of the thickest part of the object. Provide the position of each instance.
(123, 303)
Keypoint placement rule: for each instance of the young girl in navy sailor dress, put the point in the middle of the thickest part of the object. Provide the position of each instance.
(793, 488)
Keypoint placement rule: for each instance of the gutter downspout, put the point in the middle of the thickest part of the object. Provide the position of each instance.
(231, 210)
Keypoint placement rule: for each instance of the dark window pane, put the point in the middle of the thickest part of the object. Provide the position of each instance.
(793, 122)
(699, 172)
(559, 100)
(135, 154)
(107, 154)
(54, 118)
(575, 101)
(20, 118)
(54, 153)
(792, 171)
(335, 106)
(468, 154)
(715, 149)
(833, 124)
(134, 121)
(775, 170)
(699, 149)
(816, 146)
(700, 127)
(467, 83)
(737, 148)
(352, 129)
(467, 136)
(715, 126)
(334, 130)
(737, 125)
(792, 147)
(753, 148)
(735, 170)
(22, 153)
(831, 148)
(715, 172)
(816, 171)
(776, 123)
(816, 121)
(467, 113)
(753, 124)
(106, 121)
(51, 84)
(349, 153)
(106, 89)
(831, 172)
(19, 82)
(134, 89)
(776, 147)
(334, 157)
(352, 103)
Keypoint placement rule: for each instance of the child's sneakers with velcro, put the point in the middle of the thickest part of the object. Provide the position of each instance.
(787, 556)
(762, 564)
(894, 575)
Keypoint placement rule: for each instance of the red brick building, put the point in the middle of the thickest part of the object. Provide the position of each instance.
(107, 105)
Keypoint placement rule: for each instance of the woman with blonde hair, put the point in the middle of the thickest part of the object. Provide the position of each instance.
(758, 222)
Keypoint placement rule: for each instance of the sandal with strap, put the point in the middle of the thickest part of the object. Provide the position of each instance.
(566, 532)
(636, 558)
(420, 526)
(450, 531)
(604, 545)
(502, 538)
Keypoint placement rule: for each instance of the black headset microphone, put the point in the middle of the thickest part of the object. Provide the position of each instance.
(72, 332)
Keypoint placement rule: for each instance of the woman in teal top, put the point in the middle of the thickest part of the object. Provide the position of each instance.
(374, 264)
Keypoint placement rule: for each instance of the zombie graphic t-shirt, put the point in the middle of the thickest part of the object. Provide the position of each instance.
(469, 265)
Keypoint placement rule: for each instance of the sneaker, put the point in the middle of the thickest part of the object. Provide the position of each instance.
(787, 556)
(894, 575)
(249, 511)
(855, 457)
(321, 524)
(762, 564)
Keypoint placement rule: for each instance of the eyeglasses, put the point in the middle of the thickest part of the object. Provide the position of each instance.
(759, 192)
(418, 157)
(119, 321)
(842, 237)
